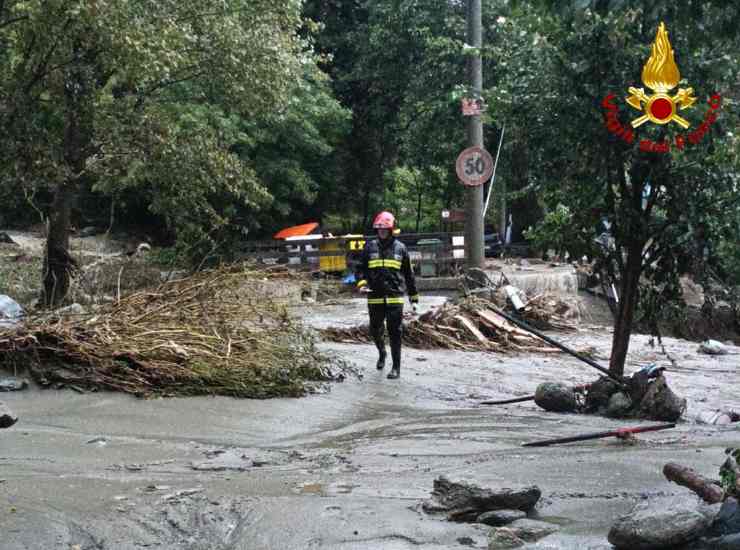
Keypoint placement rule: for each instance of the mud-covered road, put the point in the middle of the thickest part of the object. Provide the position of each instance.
(345, 469)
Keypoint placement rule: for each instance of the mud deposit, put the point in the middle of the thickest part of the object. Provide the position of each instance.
(346, 469)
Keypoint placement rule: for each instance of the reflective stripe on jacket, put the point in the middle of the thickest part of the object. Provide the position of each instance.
(386, 269)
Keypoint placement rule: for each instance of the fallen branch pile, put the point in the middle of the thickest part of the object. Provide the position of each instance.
(467, 326)
(212, 333)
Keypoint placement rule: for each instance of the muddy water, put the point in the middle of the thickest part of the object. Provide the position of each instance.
(346, 469)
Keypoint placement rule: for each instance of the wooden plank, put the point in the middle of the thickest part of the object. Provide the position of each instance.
(498, 322)
(468, 324)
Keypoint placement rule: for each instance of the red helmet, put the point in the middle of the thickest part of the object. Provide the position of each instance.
(384, 220)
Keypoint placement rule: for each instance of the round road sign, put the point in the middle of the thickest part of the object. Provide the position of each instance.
(474, 166)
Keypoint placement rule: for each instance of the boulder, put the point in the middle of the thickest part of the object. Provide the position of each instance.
(531, 530)
(499, 518)
(556, 397)
(465, 502)
(712, 347)
(599, 393)
(619, 405)
(660, 403)
(727, 521)
(503, 538)
(727, 542)
(7, 418)
(662, 526)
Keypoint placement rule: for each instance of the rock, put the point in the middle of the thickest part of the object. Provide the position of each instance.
(7, 418)
(712, 347)
(88, 231)
(728, 542)
(465, 502)
(11, 312)
(619, 405)
(555, 397)
(660, 403)
(5, 239)
(503, 538)
(598, 395)
(657, 525)
(531, 530)
(13, 384)
(498, 518)
(727, 521)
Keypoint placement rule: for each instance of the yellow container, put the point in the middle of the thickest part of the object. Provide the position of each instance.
(330, 264)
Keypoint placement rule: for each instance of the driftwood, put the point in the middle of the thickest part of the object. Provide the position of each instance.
(467, 326)
(707, 489)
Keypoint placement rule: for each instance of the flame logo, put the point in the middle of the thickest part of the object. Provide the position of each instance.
(660, 73)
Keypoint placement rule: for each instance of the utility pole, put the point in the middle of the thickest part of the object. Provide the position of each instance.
(474, 194)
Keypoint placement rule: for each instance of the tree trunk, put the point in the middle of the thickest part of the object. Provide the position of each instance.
(58, 264)
(705, 488)
(57, 261)
(626, 309)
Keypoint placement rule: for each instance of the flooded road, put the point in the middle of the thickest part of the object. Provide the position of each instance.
(346, 469)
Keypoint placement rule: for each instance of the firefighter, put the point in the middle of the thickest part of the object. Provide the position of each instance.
(384, 273)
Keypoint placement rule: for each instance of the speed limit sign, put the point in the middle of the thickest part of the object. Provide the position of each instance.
(474, 166)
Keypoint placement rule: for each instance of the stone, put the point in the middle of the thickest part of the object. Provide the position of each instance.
(599, 393)
(660, 403)
(13, 384)
(555, 397)
(503, 538)
(466, 502)
(660, 525)
(728, 542)
(531, 530)
(499, 518)
(7, 418)
(712, 347)
(727, 521)
(619, 405)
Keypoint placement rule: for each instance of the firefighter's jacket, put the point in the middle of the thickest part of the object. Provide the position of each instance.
(386, 269)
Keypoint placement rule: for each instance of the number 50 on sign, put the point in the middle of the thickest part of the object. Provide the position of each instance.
(474, 166)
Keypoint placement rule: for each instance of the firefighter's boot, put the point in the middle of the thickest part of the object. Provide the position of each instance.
(381, 359)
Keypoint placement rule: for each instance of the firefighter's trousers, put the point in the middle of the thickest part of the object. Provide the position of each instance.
(392, 314)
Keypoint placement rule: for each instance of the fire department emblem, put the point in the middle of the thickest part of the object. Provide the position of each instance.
(661, 75)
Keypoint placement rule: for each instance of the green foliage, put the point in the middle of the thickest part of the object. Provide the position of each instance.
(556, 231)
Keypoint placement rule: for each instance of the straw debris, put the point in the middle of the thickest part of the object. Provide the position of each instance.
(214, 332)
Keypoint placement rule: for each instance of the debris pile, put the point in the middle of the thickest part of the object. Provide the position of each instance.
(470, 325)
(212, 333)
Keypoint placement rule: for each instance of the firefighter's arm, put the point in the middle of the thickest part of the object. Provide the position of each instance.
(362, 274)
(408, 275)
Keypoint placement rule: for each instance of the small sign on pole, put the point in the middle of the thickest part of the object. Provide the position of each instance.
(474, 166)
(472, 107)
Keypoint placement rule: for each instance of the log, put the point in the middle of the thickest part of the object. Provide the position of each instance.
(705, 488)
(468, 324)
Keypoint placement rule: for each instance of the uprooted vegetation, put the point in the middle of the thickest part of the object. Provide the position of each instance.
(215, 332)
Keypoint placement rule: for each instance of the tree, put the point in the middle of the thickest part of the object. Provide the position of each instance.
(655, 201)
(139, 92)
